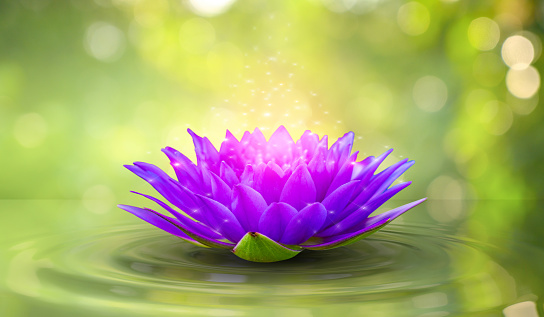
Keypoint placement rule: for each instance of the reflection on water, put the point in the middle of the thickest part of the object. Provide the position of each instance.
(139, 271)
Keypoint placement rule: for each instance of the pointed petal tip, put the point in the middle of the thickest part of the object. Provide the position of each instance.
(230, 136)
(193, 134)
(419, 201)
(388, 151)
(168, 149)
(394, 213)
(281, 128)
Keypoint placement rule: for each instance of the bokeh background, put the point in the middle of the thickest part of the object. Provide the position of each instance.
(87, 86)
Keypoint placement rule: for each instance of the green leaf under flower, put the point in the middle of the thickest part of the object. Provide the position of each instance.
(257, 247)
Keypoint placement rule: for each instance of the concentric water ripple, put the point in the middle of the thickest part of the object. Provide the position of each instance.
(138, 270)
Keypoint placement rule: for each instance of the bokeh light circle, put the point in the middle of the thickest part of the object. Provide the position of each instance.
(210, 8)
(413, 18)
(104, 41)
(523, 83)
(535, 40)
(517, 52)
(483, 33)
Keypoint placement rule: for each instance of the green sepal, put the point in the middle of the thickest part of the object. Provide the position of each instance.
(257, 247)
(320, 244)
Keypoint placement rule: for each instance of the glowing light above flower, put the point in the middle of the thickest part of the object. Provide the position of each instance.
(210, 7)
(269, 200)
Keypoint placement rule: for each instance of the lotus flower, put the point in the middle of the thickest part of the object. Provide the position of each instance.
(267, 201)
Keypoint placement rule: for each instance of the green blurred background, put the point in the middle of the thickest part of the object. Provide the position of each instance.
(86, 86)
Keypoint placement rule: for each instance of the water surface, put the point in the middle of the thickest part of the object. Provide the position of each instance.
(136, 270)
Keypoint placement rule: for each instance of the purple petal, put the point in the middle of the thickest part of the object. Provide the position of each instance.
(289, 168)
(186, 171)
(165, 185)
(337, 201)
(378, 200)
(230, 150)
(206, 153)
(373, 188)
(281, 147)
(228, 175)
(257, 138)
(255, 149)
(304, 224)
(344, 174)
(220, 190)
(206, 184)
(248, 206)
(247, 176)
(393, 213)
(270, 182)
(369, 170)
(221, 219)
(399, 171)
(258, 170)
(342, 239)
(275, 219)
(299, 190)
(339, 152)
(244, 141)
(192, 202)
(307, 144)
(164, 223)
(188, 224)
(345, 142)
(321, 177)
(360, 167)
(173, 226)
(360, 215)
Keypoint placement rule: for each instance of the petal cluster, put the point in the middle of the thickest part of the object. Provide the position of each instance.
(268, 200)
